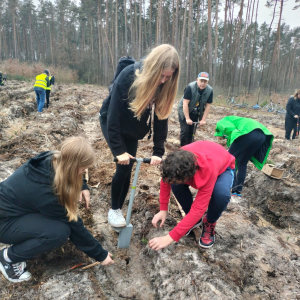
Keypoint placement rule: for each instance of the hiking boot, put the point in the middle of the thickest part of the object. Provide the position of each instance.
(198, 224)
(13, 272)
(207, 238)
(115, 218)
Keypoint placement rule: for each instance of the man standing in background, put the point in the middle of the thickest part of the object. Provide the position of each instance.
(194, 106)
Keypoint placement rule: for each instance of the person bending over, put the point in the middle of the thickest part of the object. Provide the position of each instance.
(207, 167)
(38, 208)
(248, 140)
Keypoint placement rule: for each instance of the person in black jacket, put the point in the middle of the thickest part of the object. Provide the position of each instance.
(125, 116)
(2, 79)
(292, 116)
(38, 208)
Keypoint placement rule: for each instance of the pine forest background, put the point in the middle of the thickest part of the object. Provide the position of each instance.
(88, 37)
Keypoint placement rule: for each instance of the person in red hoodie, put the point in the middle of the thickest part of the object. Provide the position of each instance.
(207, 167)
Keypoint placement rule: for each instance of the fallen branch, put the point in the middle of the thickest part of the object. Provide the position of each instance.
(179, 207)
(91, 265)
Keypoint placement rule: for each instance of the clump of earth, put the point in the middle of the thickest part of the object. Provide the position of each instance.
(257, 249)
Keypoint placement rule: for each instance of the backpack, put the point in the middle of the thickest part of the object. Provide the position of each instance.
(122, 63)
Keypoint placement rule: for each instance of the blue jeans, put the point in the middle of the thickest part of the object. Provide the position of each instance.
(40, 98)
(219, 199)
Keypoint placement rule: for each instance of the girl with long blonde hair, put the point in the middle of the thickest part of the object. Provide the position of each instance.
(126, 116)
(292, 116)
(38, 208)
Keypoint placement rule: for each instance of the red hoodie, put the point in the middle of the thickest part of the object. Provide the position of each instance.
(213, 160)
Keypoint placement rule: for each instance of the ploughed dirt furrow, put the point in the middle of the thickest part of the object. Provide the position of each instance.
(256, 254)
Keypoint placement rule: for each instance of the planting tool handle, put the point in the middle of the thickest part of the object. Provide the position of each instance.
(144, 160)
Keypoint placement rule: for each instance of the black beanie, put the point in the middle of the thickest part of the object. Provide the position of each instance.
(46, 72)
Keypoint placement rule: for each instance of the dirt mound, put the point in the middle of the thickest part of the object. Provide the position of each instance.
(256, 255)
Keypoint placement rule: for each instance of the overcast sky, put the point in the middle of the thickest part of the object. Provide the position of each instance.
(290, 17)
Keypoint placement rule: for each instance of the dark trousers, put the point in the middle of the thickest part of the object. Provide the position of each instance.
(243, 148)
(47, 97)
(31, 235)
(121, 179)
(219, 199)
(187, 131)
(291, 124)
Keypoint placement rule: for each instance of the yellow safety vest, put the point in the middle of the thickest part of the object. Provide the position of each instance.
(40, 81)
(49, 87)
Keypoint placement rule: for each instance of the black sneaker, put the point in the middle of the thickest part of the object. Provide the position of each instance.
(198, 224)
(13, 272)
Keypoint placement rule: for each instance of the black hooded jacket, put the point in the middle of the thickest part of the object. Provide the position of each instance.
(121, 120)
(30, 190)
(292, 108)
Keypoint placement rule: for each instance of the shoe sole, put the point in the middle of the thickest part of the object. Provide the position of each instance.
(117, 226)
(206, 246)
(10, 279)
(195, 226)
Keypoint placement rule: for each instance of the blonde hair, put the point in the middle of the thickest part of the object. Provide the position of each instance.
(75, 153)
(145, 86)
(296, 94)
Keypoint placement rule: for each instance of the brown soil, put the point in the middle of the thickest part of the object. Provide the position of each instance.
(256, 255)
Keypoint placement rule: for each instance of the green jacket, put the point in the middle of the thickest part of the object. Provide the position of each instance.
(232, 127)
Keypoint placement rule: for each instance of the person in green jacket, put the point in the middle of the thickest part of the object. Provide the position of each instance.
(247, 140)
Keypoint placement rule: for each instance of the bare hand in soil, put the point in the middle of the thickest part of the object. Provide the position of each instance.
(85, 194)
(155, 160)
(108, 260)
(124, 158)
(161, 216)
(160, 242)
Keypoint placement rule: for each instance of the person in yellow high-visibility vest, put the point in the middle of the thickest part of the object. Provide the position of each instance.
(41, 83)
(48, 89)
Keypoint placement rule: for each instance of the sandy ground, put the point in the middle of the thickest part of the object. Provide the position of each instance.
(256, 255)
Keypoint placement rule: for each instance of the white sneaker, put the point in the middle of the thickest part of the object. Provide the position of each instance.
(115, 218)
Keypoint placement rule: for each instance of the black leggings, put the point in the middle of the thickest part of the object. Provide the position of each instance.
(47, 97)
(243, 148)
(121, 179)
(32, 235)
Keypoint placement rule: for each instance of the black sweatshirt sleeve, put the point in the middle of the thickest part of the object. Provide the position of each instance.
(79, 236)
(48, 81)
(210, 98)
(187, 93)
(160, 132)
(289, 108)
(119, 97)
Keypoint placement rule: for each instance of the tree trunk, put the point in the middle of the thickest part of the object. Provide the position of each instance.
(140, 30)
(116, 34)
(125, 29)
(190, 40)
(276, 51)
(209, 38)
(252, 52)
(183, 42)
